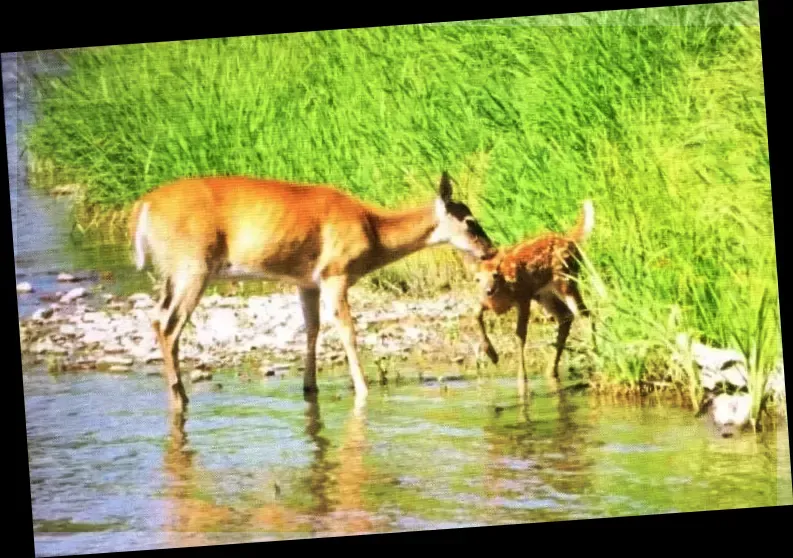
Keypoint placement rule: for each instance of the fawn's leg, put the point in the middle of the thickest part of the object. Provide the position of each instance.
(584, 310)
(557, 307)
(486, 344)
(520, 332)
(309, 300)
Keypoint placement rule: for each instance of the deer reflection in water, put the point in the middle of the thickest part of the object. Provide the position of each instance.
(539, 464)
(337, 505)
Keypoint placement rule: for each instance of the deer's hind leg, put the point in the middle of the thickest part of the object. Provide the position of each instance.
(181, 292)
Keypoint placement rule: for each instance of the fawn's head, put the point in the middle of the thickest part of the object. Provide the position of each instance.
(457, 225)
(488, 276)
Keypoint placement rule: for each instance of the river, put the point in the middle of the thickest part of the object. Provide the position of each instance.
(110, 471)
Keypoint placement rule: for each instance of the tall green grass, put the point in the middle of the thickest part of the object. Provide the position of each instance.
(658, 115)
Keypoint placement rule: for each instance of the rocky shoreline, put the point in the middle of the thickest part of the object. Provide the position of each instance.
(83, 330)
(87, 331)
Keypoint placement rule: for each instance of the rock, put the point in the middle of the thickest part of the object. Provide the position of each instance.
(109, 361)
(154, 356)
(24, 287)
(66, 278)
(200, 376)
(119, 368)
(42, 314)
(95, 317)
(220, 327)
(92, 336)
(211, 300)
(259, 341)
(717, 366)
(107, 297)
(74, 294)
(68, 330)
(114, 349)
(48, 347)
(143, 304)
(278, 369)
(205, 362)
(459, 359)
(776, 382)
(730, 413)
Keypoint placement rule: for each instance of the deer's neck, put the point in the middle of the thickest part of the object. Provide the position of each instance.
(401, 233)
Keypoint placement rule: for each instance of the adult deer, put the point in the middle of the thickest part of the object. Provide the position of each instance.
(315, 237)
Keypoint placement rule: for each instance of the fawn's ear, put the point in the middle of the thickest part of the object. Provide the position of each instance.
(445, 188)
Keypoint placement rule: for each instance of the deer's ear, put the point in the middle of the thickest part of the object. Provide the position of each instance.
(445, 188)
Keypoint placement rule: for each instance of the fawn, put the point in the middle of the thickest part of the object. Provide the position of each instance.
(544, 269)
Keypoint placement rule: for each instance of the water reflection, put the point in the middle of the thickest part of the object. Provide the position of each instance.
(336, 488)
(538, 461)
(188, 517)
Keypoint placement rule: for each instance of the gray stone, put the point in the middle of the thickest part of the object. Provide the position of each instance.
(200, 376)
(114, 361)
(24, 287)
(114, 349)
(731, 411)
(93, 336)
(43, 314)
(74, 294)
(67, 278)
(95, 317)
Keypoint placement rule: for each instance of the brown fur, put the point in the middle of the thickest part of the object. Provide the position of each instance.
(543, 269)
(315, 237)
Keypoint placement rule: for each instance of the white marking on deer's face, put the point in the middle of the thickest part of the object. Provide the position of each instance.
(458, 227)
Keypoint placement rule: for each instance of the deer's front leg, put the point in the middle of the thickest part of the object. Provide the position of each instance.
(335, 291)
(487, 346)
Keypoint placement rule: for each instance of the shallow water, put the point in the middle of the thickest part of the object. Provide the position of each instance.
(41, 224)
(110, 472)
(255, 461)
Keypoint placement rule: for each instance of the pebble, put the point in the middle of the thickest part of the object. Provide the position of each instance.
(227, 330)
(43, 314)
(67, 278)
(74, 294)
(278, 369)
(114, 361)
(200, 376)
(24, 287)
